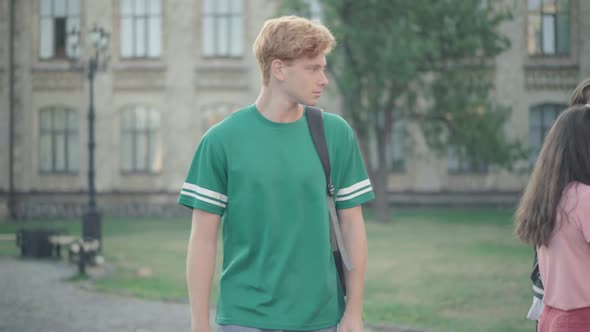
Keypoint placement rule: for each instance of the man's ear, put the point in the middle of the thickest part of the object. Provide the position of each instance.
(277, 69)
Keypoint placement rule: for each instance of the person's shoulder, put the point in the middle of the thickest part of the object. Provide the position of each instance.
(576, 195)
(334, 121)
(579, 200)
(582, 190)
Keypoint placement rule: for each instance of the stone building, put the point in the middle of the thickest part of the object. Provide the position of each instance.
(178, 66)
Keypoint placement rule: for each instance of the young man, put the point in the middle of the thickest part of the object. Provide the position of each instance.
(259, 169)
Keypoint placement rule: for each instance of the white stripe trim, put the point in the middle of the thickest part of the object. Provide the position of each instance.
(210, 201)
(345, 198)
(354, 187)
(206, 192)
(538, 290)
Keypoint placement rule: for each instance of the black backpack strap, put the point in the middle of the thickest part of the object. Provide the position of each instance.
(315, 122)
(538, 289)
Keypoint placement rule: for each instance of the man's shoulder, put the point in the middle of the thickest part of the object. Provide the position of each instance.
(334, 121)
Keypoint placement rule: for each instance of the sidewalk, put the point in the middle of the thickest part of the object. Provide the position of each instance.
(35, 297)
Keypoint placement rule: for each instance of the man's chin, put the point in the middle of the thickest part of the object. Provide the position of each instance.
(312, 101)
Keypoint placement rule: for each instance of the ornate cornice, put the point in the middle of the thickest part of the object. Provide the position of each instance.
(232, 77)
(540, 77)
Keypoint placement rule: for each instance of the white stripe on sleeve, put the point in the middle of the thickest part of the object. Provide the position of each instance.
(210, 201)
(354, 187)
(206, 192)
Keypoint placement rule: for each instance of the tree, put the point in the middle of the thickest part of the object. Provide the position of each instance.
(392, 53)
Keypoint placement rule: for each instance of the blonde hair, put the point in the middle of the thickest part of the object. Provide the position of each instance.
(288, 38)
(581, 94)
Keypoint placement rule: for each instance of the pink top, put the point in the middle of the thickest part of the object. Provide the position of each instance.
(565, 263)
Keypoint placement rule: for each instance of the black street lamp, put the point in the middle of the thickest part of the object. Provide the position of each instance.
(98, 41)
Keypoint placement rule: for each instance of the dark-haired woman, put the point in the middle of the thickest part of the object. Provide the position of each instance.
(554, 216)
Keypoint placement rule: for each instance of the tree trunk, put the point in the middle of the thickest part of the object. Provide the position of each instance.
(381, 196)
(380, 181)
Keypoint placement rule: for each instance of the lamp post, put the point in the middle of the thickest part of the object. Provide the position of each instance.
(98, 40)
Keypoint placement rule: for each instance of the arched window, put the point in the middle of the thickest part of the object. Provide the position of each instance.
(59, 140)
(141, 149)
(541, 118)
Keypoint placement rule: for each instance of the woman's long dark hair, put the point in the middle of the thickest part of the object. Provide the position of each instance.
(564, 158)
(581, 94)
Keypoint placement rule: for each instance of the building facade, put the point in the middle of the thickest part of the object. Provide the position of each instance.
(176, 67)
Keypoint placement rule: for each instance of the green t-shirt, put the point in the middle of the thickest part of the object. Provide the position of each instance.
(266, 180)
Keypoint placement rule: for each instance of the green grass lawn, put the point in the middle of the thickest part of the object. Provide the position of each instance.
(445, 270)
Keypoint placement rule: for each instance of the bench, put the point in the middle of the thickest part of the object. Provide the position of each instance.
(61, 241)
(46, 243)
(79, 250)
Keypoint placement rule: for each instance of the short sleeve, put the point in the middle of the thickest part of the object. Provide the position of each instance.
(205, 187)
(353, 184)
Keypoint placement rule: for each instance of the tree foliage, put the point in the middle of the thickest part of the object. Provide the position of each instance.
(426, 62)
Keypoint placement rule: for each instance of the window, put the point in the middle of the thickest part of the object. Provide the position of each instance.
(141, 150)
(397, 149)
(541, 119)
(222, 28)
(459, 163)
(141, 28)
(59, 28)
(59, 140)
(548, 27)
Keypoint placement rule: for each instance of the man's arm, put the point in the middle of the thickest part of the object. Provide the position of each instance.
(355, 242)
(200, 265)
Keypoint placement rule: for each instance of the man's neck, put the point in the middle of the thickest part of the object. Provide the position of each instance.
(276, 106)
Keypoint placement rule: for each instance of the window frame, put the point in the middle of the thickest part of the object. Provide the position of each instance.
(134, 133)
(464, 165)
(399, 134)
(77, 17)
(541, 13)
(148, 16)
(215, 15)
(52, 132)
(542, 108)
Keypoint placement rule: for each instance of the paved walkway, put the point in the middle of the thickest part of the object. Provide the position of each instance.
(34, 297)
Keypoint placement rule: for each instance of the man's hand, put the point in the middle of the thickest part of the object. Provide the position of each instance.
(351, 322)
